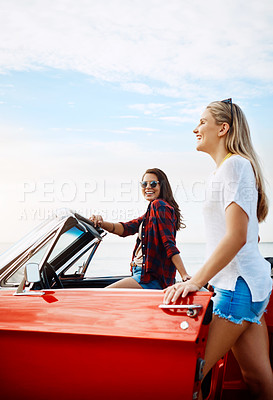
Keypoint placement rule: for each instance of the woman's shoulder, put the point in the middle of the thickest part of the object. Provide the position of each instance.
(237, 161)
(237, 167)
(157, 203)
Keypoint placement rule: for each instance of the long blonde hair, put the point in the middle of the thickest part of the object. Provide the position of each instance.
(238, 141)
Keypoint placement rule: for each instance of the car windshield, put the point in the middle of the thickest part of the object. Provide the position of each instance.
(16, 277)
(27, 241)
(66, 240)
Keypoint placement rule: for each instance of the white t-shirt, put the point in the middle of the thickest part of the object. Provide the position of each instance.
(234, 181)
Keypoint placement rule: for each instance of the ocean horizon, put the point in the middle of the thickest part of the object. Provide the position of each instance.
(113, 258)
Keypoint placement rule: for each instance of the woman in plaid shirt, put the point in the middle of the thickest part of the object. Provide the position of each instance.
(155, 257)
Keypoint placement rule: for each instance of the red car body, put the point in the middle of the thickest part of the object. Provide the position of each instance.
(99, 344)
(82, 341)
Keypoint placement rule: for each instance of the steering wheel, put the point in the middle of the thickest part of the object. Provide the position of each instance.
(49, 274)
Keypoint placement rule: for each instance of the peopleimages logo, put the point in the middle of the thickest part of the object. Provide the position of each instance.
(104, 190)
(114, 200)
(86, 192)
(67, 190)
(119, 200)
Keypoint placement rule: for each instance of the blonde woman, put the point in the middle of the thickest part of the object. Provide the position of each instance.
(235, 204)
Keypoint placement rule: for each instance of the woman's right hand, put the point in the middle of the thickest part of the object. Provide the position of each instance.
(97, 220)
(172, 293)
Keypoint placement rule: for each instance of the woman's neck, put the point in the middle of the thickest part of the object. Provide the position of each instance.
(219, 156)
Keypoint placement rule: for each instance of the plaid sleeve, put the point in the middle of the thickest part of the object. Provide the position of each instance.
(131, 227)
(166, 219)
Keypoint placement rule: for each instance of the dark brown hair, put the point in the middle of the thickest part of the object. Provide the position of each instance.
(167, 194)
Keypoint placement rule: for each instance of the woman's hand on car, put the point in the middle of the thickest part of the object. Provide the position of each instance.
(97, 220)
(173, 292)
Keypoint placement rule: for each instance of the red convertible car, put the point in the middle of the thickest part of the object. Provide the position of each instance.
(64, 336)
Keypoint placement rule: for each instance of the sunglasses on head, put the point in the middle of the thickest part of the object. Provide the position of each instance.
(144, 184)
(229, 101)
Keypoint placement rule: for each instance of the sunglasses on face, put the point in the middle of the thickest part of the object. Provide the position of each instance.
(152, 184)
(229, 101)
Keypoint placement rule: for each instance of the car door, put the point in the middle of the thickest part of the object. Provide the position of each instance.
(101, 343)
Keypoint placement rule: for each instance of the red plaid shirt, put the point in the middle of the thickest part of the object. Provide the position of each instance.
(158, 242)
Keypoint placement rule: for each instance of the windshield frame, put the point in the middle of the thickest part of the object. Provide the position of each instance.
(48, 231)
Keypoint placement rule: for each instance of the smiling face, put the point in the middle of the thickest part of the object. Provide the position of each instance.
(150, 193)
(207, 133)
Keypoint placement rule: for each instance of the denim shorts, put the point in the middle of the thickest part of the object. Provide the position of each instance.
(154, 284)
(237, 306)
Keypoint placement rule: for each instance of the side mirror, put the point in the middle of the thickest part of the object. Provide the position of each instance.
(32, 273)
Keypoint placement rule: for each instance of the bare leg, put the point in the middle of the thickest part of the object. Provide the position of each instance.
(129, 283)
(252, 353)
(222, 336)
(249, 343)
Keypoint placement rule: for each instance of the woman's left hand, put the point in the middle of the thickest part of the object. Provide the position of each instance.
(173, 292)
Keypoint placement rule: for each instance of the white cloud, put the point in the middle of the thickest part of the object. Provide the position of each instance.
(128, 117)
(191, 50)
(150, 108)
(184, 112)
(175, 119)
(141, 129)
(169, 44)
(137, 87)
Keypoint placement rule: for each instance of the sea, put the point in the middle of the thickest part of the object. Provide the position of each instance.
(113, 258)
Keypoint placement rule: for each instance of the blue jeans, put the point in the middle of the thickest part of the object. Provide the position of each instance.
(237, 306)
(154, 284)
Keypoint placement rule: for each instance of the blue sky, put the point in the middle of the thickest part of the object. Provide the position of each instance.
(93, 93)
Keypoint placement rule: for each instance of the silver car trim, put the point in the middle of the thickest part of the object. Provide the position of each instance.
(192, 309)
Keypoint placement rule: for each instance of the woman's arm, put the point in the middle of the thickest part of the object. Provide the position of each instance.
(232, 242)
(228, 247)
(166, 226)
(116, 228)
(177, 260)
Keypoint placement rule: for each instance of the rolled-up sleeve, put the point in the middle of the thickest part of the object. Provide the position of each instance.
(131, 227)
